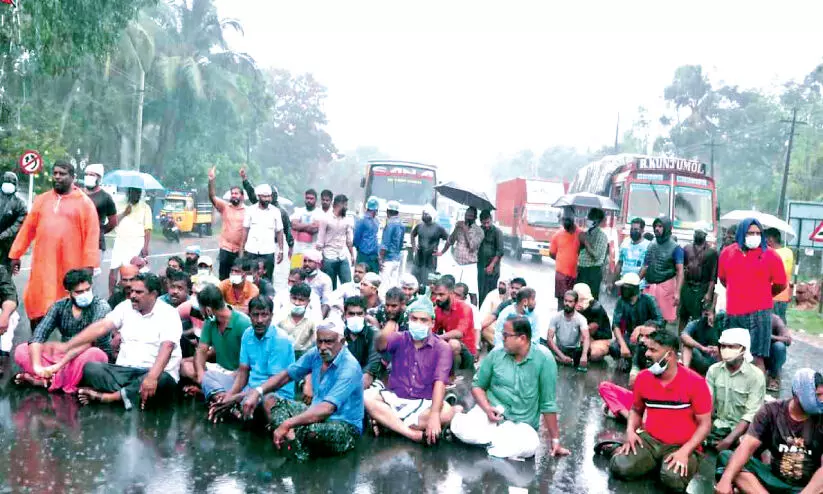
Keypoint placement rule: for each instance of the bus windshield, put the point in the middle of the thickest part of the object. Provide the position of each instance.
(406, 184)
(648, 201)
(546, 217)
(693, 208)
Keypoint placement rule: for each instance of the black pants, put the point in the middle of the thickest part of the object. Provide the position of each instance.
(592, 276)
(225, 259)
(109, 378)
(424, 263)
(268, 262)
(485, 282)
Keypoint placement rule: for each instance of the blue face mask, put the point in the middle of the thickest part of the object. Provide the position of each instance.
(418, 330)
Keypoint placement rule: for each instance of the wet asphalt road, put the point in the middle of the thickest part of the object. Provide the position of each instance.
(48, 443)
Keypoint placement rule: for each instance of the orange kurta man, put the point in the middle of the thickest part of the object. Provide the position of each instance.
(66, 234)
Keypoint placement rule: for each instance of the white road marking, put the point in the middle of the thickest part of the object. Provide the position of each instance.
(152, 256)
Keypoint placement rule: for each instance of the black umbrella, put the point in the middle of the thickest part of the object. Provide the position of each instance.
(586, 200)
(464, 195)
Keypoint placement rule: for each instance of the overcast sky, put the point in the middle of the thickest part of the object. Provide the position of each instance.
(457, 83)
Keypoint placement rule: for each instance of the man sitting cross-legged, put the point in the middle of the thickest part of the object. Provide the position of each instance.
(265, 351)
(413, 405)
(147, 364)
(42, 365)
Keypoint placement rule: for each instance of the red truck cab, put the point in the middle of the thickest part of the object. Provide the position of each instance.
(525, 214)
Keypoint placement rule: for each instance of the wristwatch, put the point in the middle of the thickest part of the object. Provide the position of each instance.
(259, 390)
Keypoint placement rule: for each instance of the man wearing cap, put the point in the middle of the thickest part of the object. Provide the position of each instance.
(205, 274)
(752, 274)
(425, 240)
(514, 385)
(231, 237)
(413, 405)
(409, 285)
(738, 389)
(65, 231)
(319, 281)
(365, 237)
(700, 273)
(192, 258)
(663, 269)
(12, 213)
(792, 431)
(597, 321)
(263, 236)
(634, 310)
(285, 221)
(466, 239)
(391, 246)
(333, 422)
(106, 210)
(133, 233)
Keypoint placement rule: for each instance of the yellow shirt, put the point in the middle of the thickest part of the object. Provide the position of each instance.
(787, 256)
(136, 223)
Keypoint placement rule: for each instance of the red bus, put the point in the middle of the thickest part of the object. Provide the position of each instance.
(650, 187)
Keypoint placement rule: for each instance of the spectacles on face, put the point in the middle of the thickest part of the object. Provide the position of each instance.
(508, 335)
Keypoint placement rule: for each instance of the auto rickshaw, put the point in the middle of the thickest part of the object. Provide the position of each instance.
(188, 215)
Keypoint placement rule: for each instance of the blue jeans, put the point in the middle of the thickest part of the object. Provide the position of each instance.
(337, 268)
(216, 382)
(776, 358)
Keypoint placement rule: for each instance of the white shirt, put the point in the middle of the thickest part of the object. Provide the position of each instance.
(305, 216)
(321, 285)
(491, 302)
(263, 225)
(141, 335)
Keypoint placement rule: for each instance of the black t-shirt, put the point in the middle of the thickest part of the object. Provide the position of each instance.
(595, 313)
(795, 446)
(429, 236)
(105, 208)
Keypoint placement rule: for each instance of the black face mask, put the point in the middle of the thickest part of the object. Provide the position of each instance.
(501, 291)
(699, 238)
(264, 204)
(444, 304)
(234, 201)
(635, 235)
(628, 292)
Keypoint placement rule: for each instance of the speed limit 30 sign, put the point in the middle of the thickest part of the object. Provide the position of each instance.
(30, 162)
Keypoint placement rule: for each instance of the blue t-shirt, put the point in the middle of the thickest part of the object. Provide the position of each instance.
(393, 239)
(266, 357)
(633, 255)
(510, 312)
(365, 236)
(341, 384)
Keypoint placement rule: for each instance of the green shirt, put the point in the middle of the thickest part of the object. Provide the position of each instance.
(226, 344)
(737, 396)
(525, 389)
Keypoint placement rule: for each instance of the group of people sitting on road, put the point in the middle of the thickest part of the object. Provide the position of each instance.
(318, 363)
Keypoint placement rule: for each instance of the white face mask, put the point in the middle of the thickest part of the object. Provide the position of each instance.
(355, 324)
(250, 278)
(753, 241)
(729, 354)
(202, 272)
(90, 181)
(236, 279)
(8, 188)
(84, 299)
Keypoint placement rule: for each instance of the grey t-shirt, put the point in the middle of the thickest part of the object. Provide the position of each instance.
(567, 331)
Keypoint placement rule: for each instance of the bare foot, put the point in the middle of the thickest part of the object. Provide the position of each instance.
(86, 396)
(192, 390)
(26, 378)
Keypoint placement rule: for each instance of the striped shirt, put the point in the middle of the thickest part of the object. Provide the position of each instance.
(60, 317)
(671, 410)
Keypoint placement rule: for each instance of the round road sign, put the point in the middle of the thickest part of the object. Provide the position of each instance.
(30, 162)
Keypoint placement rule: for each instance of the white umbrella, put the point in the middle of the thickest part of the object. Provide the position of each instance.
(767, 220)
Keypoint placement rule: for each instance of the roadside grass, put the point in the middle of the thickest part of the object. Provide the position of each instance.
(808, 320)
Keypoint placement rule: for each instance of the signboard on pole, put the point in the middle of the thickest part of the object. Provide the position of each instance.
(807, 220)
(30, 162)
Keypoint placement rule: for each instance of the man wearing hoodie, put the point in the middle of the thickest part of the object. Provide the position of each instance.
(752, 274)
(12, 213)
(663, 269)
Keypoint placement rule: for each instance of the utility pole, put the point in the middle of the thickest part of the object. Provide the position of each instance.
(711, 145)
(781, 206)
(616, 132)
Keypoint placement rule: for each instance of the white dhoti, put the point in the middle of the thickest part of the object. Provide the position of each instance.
(7, 339)
(506, 439)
